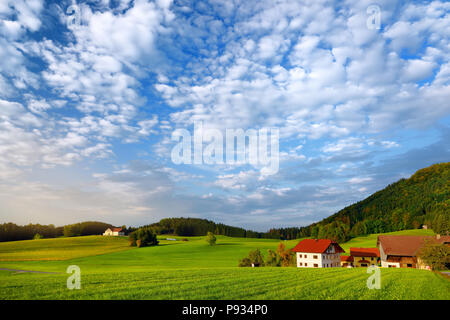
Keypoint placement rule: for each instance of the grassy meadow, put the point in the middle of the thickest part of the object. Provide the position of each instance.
(110, 269)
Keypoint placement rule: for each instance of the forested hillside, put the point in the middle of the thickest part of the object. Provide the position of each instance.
(423, 199)
(199, 227)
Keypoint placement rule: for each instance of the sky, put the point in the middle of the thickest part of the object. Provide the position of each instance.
(91, 93)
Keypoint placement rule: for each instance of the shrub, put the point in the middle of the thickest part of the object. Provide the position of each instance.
(132, 239)
(254, 258)
(143, 237)
(38, 236)
(285, 255)
(272, 260)
(245, 262)
(210, 238)
(436, 255)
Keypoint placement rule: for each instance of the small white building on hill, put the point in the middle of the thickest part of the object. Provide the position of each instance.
(114, 232)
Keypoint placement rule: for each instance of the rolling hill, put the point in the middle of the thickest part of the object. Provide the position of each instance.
(194, 270)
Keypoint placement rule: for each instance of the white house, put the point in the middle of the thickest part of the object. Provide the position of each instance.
(114, 232)
(318, 253)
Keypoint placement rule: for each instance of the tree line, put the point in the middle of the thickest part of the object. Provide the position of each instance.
(13, 232)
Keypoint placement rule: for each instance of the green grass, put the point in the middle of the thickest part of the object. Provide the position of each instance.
(193, 270)
(60, 248)
(229, 283)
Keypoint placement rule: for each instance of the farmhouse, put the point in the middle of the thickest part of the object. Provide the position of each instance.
(318, 253)
(364, 257)
(401, 251)
(347, 261)
(114, 232)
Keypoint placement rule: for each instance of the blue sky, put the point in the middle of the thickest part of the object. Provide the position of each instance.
(88, 106)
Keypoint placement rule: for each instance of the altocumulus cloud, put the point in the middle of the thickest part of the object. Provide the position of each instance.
(87, 109)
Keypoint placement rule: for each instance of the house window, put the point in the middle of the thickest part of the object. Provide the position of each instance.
(306, 264)
(316, 265)
(306, 256)
(314, 257)
(300, 264)
(409, 265)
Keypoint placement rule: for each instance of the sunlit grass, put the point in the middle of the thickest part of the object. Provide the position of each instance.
(230, 283)
(110, 269)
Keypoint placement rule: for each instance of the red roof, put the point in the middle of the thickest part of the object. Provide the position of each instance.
(316, 246)
(116, 229)
(365, 252)
(347, 258)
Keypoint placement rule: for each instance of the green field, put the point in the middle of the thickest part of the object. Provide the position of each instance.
(110, 269)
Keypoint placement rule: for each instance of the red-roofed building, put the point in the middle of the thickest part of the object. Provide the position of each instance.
(364, 257)
(114, 232)
(318, 253)
(346, 261)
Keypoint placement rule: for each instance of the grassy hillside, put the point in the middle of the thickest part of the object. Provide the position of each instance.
(60, 248)
(94, 252)
(194, 270)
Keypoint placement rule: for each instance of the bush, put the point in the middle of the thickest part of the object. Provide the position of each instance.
(281, 257)
(38, 236)
(286, 256)
(272, 260)
(245, 263)
(143, 237)
(211, 238)
(254, 258)
(132, 239)
(436, 255)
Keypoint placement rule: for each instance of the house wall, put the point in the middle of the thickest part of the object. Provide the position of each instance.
(385, 264)
(357, 261)
(383, 258)
(329, 259)
(109, 232)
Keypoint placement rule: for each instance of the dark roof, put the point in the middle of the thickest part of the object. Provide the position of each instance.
(365, 252)
(316, 246)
